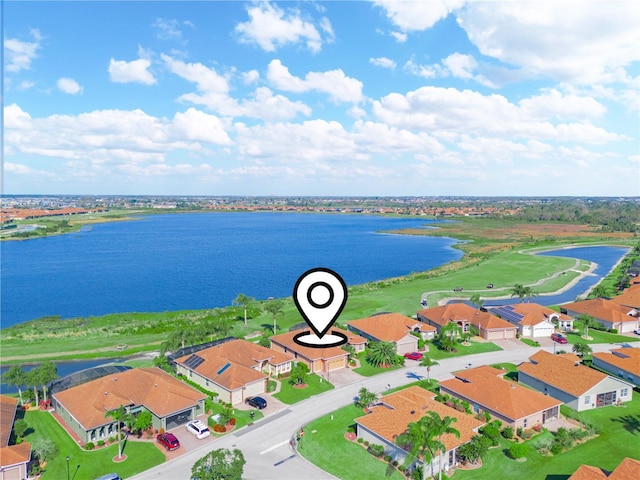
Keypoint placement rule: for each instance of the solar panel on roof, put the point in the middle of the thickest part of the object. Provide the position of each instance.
(193, 361)
(507, 312)
(226, 365)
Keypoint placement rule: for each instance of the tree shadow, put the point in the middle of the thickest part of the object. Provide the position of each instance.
(557, 477)
(414, 375)
(512, 376)
(631, 423)
(268, 326)
(389, 470)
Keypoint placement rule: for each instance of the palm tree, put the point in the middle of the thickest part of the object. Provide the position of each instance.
(588, 321)
(528, 292)
(244, 302)
(16, 377)
(366, 398)
(428, 362)
(518, 291)
(424, 439)
(275, 308)
(476, 300)
(118, 415)
(382, 354)
(581, 349)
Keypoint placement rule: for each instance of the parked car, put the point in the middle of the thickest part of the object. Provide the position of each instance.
(556, 337)
(413, 356)
(637, 331)
(490, 285)
(256, 402)
(198, 429)
(168, 441)
(109, 476)
(458, 289)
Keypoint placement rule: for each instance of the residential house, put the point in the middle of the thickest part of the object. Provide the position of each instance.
(622, 362)
(392, 327)
(465, 316)
(485, 389)
(627, 469)
(577, 386)
(171, 402)
(607, 313)
(392, 415)
(533, 320)
(630, 298)
(14, 459)
(235, 370)
(319, 360)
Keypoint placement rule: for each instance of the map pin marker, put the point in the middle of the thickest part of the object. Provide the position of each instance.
(320, 295)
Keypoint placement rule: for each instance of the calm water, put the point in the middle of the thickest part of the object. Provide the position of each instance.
(202, 260)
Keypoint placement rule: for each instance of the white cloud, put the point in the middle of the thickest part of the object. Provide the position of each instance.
(136, 71)
(271, 27)
(555, 39)
(460, 66)
(417, 15)
(205, 78)
(335, 83)
(399, 36)
(383, 62)
(69, 85)
(252, 76)
(18, 55)
(169, 28)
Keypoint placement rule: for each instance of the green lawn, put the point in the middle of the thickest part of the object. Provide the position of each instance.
(328, 449)
(315, 385)
(597, 336)
(243, 417)
(367, 370)
(531, 343)
(140, 455)
(475, 347)
(619, 438)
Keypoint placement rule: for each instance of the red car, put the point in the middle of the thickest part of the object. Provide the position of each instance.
(168, 441)
(413, 356)
(556, 337)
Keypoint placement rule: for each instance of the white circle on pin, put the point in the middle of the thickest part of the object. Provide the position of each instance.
(320, 294)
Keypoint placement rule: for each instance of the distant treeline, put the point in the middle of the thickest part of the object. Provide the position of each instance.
(609, 215)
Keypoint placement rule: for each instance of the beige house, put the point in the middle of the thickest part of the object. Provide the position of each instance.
(485, 389)
(319, 360)
(14, 459)
(235, 370)
(392, 327)
(534, 320)
(607, 313)
(397, 410)
(577, 386)
(489, 326)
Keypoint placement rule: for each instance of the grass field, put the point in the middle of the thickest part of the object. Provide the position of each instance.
(474, 347)
(289, 395)
(367, 370)
(140, 455)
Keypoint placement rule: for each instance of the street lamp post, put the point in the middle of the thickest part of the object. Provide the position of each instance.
(67, 467)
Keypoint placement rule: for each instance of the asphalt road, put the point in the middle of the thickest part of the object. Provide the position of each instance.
(266, 447)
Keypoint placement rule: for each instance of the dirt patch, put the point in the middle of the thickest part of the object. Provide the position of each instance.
(300, 385)
(350, 436)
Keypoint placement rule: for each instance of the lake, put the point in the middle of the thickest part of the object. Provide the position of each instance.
(187, 261)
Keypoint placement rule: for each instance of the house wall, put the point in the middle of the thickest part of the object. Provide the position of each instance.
(616, 371)
(543, 329)
(224, 395)
(101, 433)
(497, 334)
(609, 384)
(622, 327)
(14, 472)
(569, 400)
(407, 344)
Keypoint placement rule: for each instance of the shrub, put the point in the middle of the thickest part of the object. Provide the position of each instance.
(507, 432)
(544, 446)
(492, 433)
(395, 463)
(497, 424)
(376, 450)
(366, 443)
(537, 428)
(351, 430)
(387, 458)
(519, 431)
(100, 443)
(556, 448)
(89, 446)
(112, 439)
(518, 450)
(360, 440)
(232, 421)
(219, 428)
(614, 330)
(526, 434)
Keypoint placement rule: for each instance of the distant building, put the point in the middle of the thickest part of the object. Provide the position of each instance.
(621, 362)
(627, 469)
(14, 459)
(393, 327)
(489, 326)
(533, 320)
(607, 313)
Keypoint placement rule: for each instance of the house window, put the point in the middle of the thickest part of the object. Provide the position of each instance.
(206, 382)
(624, 392)
(190, 374)
(451, 457)
(587, 399)
(524, 423)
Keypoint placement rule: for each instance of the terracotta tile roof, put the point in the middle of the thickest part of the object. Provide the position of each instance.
(484, 386)
(624, 358)
(389, 327)
(603, 309)
(629, 298)
(534, 313)
(8, 407)
(286, 340)
(561, 373)
(152, 387)
(409, 405)
(15, 454)
(455, 312)
(245, 360)
(628, 469)
(587, 472)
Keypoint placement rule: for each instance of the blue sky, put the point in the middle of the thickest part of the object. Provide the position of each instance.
(447, 97)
